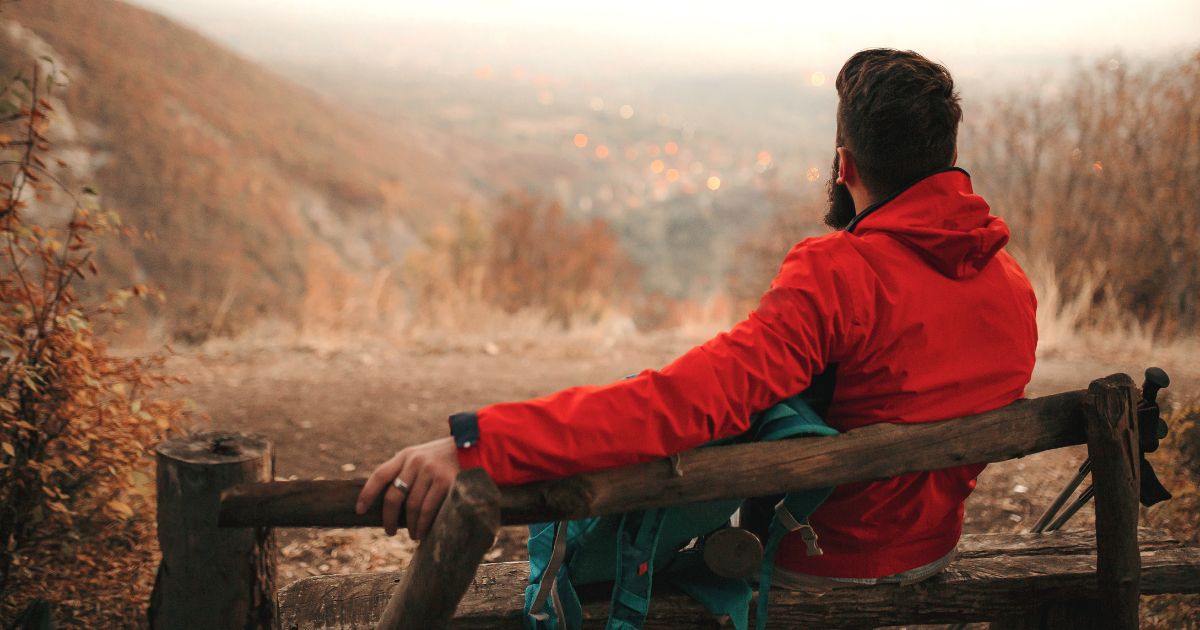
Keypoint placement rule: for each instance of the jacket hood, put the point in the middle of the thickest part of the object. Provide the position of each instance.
(943, 220)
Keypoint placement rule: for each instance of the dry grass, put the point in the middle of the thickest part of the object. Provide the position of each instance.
(1072, 323)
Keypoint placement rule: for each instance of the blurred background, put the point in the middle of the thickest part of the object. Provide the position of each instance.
(385, 167)
(357, 217)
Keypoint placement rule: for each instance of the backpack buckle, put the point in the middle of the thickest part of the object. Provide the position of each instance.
(784, 517)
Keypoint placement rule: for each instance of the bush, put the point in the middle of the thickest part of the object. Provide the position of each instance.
(1100, 174)
(76, 420)
(533, 257)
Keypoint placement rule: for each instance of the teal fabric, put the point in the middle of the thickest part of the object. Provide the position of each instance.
(631, 549)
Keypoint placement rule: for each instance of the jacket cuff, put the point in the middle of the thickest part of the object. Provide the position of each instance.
(465, 429)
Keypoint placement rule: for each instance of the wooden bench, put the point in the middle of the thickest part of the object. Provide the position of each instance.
(1060, 580)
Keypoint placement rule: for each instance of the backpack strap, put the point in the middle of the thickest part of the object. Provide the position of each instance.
(637, 544)
(548, 585)
(790, 418)
(784, 523)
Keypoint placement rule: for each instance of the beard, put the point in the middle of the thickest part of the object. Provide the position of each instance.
(841, 205)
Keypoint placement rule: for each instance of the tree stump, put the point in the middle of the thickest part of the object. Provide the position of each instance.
(211, 577)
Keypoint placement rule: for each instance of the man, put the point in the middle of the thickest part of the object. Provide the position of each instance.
(909, 312)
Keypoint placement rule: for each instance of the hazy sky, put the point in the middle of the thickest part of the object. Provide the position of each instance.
(761, 34)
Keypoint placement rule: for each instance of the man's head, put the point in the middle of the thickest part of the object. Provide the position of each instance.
(897, 121)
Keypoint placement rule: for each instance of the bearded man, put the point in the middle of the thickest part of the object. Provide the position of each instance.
(909, 311)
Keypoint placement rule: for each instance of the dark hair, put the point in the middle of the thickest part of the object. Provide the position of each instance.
(898, 114)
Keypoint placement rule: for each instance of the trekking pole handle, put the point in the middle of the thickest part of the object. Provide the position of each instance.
(1156, 379)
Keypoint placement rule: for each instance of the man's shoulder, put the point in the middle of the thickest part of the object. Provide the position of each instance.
(830, 255)
(832, 244)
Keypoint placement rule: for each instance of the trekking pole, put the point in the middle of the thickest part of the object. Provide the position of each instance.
(1151, 429)
(1149, 423)
(1044, 521)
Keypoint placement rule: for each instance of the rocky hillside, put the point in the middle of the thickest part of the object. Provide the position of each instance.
(248, 195)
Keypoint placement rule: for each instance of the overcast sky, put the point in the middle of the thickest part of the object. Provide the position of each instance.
(729, 33)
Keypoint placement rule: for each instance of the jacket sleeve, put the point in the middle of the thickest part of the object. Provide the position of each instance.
(706, 394)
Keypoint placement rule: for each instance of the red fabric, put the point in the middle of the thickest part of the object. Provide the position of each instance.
(926, 319)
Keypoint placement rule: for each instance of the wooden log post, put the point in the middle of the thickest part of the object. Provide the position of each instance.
(446, 561)
(1112, 436)
(211, 577)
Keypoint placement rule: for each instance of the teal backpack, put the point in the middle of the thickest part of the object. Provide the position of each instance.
(630, 549)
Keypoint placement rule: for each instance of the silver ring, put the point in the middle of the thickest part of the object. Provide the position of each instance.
(400, 485)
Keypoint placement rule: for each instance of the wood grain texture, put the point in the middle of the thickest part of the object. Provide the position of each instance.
(211, 577)
(997, 575)
(1112, 438)
(446, 560)
(874, 452)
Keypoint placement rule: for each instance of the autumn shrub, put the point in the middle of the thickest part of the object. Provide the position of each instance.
(76, 420)
(1177, 463)
(1099, 174)
(530, 257)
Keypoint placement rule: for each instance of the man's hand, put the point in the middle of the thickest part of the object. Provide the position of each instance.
(428, 470)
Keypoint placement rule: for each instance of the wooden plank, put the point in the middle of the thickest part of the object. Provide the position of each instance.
(1067, 542)
(1112, 435)
(874, 452)
(446, 561)
(1022, 573)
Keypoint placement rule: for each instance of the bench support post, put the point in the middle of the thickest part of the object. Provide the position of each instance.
(1109, 410)
(1112, 431)
(446, 561)
(211, 577)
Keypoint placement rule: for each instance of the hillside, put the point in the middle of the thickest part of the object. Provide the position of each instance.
(257, 194)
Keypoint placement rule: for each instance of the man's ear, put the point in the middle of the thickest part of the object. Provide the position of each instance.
(847, 167)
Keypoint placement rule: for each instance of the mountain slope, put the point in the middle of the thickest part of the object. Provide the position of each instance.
(261, 197)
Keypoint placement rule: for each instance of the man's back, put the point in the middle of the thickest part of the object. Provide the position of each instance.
(952, 333)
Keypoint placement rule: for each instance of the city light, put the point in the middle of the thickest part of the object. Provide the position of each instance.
(670, 148)
(672, 174)
(813, 174)
(657, 166)
(626, 112)
(601, 151)
(817, 79)
(713, 182)
(581, 140)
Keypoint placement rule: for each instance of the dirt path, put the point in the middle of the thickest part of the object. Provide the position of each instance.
(337, 413)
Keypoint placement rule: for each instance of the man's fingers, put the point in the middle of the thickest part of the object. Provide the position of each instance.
(393, 502)
(415, 503)
(379, 480)
(430, 506)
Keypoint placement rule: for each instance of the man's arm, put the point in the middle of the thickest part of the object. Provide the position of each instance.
(706, 394)
(807, 319)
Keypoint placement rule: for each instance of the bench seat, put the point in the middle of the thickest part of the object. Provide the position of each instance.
(995, 576)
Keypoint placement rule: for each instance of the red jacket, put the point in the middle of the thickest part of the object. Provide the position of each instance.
(918, 309)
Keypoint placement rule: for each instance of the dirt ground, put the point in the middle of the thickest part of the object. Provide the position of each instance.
(336, 411)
